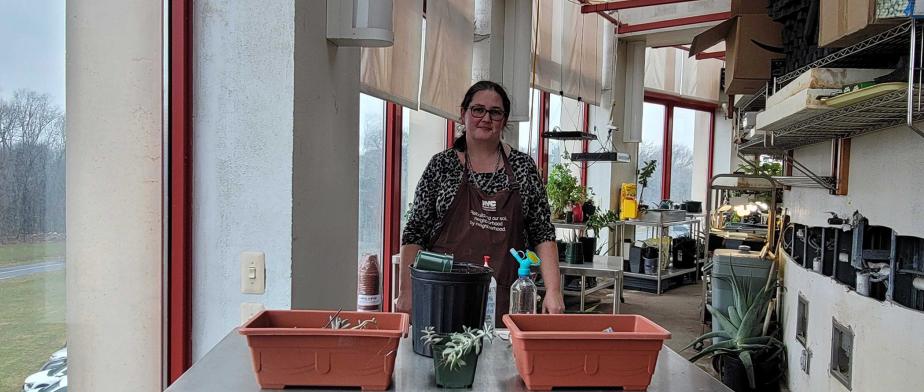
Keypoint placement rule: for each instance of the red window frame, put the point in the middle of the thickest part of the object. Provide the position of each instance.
(670, 102)
(179, 236)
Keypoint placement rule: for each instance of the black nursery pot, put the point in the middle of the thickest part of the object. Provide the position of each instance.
(589, 247)
(448, 300)
(767, 372)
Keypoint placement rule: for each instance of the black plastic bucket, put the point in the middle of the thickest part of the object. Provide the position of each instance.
(448, 300)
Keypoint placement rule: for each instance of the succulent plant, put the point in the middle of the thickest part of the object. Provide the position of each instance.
(745, 326)
(457, 345)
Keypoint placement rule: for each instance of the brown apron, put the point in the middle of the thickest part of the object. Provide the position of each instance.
(478, 225)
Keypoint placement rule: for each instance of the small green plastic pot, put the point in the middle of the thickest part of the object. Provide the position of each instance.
(461, 377)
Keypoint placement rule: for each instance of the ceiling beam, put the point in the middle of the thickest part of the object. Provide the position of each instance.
(626, 4)
(711, 55)
(663, 24)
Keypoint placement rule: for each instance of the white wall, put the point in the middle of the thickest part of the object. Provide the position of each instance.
(325, 171)
(887, 343)
(114, 195)
(243, 87)
(885, 183)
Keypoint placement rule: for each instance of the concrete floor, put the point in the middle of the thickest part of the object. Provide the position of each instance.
(677, 311)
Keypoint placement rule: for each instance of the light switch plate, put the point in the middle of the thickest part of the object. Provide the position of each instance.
(248, 310)
(253, 272)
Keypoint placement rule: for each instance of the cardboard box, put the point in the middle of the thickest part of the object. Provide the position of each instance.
(846, 22)
(747, 59)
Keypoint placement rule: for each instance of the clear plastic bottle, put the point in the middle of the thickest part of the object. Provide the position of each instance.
(523, 295)
(491, 308)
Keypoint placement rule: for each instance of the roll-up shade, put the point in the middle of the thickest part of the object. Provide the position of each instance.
(569, 53)
(447, 73)
(393, 73)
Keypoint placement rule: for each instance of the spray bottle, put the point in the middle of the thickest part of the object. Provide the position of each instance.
(490, 309)
(523, 293)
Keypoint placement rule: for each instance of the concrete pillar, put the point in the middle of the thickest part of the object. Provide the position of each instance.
(114, 194)
(325, 172)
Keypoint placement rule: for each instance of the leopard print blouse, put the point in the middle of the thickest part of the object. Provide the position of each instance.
(440, 182)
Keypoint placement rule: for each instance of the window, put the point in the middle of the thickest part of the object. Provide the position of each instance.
(689, 160)
(371, 174)
(423, 135)
(652, 149)
(841, 353)
(567, 114)
(529, 141)
(802, 320)
(32, 189)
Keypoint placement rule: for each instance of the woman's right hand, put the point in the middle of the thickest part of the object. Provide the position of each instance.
(404, 302)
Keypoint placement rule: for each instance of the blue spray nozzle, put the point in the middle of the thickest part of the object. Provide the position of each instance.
(526, 259)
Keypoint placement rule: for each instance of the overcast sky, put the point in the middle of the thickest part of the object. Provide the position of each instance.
(32, 47)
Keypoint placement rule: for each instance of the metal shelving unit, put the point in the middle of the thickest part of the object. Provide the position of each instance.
(888, 110)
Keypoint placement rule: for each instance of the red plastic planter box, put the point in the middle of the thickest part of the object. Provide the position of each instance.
(292, 348)
(565, 350)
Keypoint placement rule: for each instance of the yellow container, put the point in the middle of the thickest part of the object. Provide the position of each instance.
(628, 205)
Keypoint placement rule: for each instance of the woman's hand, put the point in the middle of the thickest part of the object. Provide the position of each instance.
(553, 303)
(404, 302)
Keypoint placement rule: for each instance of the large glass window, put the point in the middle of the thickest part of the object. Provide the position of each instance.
(567, 115)
(652, 149)
(32, 231)
(371, 174)
(529, 130)
(423, 135)
(689, 160)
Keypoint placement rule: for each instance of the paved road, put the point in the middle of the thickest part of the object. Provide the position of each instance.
(29, 269)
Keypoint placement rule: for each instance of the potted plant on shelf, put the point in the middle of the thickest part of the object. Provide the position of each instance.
(561, 189)
(455, 355)
(595, 223)
(751, 359)
(644, 173)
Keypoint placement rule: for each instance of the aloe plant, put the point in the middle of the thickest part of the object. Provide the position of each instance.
(744, 327)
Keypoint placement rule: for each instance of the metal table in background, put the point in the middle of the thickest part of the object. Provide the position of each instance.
(228, 368)
(661, 229)
(609, 267)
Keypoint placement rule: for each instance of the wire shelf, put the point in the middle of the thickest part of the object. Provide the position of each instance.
(758, 101)
(805, 182)
(879, 51)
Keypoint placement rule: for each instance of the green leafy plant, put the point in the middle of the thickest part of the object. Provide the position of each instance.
(745, 327)
(456, 345)
(562, 189)
(766, 169)
(644, 173)
(601, 219)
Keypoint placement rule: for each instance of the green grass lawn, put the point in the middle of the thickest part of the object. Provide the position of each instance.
(23, 253)
(31, 325)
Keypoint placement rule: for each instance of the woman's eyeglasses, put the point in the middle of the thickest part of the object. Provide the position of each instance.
(480, 111)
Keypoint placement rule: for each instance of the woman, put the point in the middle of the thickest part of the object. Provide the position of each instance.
(481, 198)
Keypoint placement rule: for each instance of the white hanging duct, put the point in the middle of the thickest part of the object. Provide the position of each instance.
(863, 283)
(918, 283)
(366, 23)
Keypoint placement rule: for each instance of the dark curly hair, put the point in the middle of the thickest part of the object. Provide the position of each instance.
(459, 143)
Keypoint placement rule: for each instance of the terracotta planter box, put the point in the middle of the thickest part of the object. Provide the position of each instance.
(564, 350)
(292, 348)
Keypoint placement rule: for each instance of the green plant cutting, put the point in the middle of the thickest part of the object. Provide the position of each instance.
(457, 344)
(745, 327)
(644, 173)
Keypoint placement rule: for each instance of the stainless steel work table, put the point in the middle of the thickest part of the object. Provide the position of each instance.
(228, 368)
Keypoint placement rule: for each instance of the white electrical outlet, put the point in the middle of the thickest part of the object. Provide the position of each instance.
(249, 309)
(805, 360)
(253, 272)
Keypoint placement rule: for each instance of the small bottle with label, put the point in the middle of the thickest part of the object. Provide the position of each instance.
(491, 307)
(368, 298)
